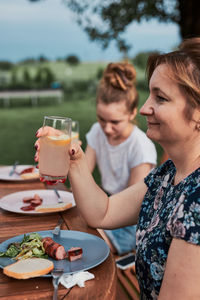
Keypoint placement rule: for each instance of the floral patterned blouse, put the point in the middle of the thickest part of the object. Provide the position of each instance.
(167, 211)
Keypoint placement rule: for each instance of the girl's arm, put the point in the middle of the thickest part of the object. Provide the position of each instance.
(90, 155)
(182, 273)
(98, 210)
(139, 172)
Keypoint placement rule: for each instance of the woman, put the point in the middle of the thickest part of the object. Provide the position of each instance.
(121, 150)
(166, 205)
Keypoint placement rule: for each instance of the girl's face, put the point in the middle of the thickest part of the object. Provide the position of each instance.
(165, 110)
(115, 120)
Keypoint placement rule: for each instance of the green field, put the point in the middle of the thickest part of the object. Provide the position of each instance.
(20, 122)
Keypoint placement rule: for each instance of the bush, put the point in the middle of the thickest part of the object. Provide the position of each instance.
(28, 61)
(44, 77)
(26, 76)
(72, 60)
(83, 86)
(42, 59)
(6, 65)
(140, 60)
(100, 73)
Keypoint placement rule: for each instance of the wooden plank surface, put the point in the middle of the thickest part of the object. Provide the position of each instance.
(102, 287)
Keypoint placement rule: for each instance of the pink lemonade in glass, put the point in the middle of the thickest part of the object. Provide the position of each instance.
(54, 157)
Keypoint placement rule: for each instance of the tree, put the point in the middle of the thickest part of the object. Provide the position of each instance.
(107, 20)
(26, 76)
(72, 60)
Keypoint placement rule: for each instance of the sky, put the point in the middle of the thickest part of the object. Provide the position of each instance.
(49, 28)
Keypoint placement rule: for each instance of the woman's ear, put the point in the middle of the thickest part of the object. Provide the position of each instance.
(133, 114)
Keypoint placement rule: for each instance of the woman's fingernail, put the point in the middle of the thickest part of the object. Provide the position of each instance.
(36, 133)
(36, 146)
(73, 151)
(37, 167)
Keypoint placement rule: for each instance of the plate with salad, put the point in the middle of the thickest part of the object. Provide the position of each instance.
(94, 249)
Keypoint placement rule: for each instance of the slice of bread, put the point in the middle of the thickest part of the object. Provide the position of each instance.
(28, 268)
(31, 175)
(53, 207)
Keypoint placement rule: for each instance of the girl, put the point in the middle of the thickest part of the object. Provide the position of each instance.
(121, 150)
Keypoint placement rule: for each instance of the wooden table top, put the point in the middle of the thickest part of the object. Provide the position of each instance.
(103, 286)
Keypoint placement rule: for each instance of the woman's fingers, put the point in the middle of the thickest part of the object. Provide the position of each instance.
(36, 157)
(75, 151)
(47, 130)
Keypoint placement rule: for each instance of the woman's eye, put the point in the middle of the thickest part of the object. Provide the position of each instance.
(161, 99)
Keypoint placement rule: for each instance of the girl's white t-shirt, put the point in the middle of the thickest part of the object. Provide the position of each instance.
(115, 162)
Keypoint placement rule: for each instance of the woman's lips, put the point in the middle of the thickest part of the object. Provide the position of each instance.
(152, 123)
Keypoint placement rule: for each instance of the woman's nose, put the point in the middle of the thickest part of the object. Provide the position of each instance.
(147, 108)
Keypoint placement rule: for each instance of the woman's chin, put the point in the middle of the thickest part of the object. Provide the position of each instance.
(152, 136)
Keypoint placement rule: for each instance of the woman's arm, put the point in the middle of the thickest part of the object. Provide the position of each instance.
(98, 210)
(139, 172)
(90, 155)
(182, 273)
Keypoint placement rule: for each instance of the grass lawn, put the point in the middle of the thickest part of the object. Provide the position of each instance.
(19, 125)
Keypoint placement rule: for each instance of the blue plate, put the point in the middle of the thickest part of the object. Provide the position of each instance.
(95, 250)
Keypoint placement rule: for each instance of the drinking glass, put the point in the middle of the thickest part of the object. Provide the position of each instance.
(75, 131)
(54, 156)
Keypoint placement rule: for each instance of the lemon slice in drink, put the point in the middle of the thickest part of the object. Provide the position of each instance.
(59, 140)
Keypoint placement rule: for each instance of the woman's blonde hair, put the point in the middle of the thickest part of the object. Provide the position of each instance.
(184, 69)
(118, 84)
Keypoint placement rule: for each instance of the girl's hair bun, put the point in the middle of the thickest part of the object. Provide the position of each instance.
(120, 75)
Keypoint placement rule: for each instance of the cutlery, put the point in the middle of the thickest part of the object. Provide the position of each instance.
(13, 168)
(56, 274)
(56, 230)
(58, 195)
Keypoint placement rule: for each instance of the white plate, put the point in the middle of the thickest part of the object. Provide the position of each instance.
(4, 173)
(13, 202)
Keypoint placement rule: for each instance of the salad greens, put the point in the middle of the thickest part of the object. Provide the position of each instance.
(31, 246)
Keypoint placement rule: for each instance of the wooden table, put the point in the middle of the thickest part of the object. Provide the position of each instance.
(12, 224)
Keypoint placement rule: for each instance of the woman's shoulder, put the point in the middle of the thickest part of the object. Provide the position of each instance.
(158, 174)
(164, 169)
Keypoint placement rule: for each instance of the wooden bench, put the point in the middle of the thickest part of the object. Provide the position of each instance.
(127, 279)
(129, 282)
(33, 95)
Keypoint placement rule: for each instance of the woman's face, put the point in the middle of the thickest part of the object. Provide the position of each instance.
(114, 119)
(165, 110)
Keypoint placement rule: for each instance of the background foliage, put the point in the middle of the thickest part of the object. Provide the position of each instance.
(20, 121)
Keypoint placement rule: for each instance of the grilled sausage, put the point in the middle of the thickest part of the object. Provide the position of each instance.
(54, 249)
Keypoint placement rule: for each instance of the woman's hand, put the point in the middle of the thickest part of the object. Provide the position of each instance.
(43, 131)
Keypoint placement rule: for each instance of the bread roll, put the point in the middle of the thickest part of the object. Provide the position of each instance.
(28, 268)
